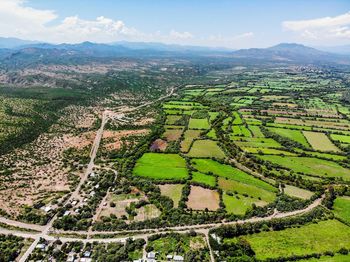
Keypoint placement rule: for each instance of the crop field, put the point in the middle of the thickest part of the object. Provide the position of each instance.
(267, 151)
(198, 123)
(294, 135)
(230, 185)
(203, 179)
(207, 166)
(312, 166)
(319, 141)
(330, 235)
(341, 209)
(297, 192)
(256, 131)
(201, 198)
(341, 138)
(190, 135)
(256, 142)
(161, 166)
(173, 191)
(206, 148)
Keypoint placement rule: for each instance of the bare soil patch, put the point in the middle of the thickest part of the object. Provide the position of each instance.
(201, 198)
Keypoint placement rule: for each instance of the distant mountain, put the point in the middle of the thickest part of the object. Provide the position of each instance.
(11, 42)
(290, 52)
(341, 49)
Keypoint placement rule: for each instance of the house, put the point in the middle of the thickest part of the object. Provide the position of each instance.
(70, 257)
(66, 213)
(178, 258)
(85, 259)
(87, 254)
(169, 257)
(41, 246)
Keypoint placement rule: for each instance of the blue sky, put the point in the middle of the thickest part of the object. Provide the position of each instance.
(234, 24)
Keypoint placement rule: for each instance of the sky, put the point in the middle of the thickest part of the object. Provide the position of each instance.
(216, 23)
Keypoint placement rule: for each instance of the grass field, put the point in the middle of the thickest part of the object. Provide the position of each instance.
(206, 148)
(342, 208)
(174, 192)
(335, 258)
(341, 138)
(203, 178)
(169, 245)
(330, 235)
(241, 131)
(161, 166)
(198, 123)
(188, 138)
(309, 165)
(297, 192)
(241, 188)
(240, 205)
(210, 166)
(295, 135)
(319, 141)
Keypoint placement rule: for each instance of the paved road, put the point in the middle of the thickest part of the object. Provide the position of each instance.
(137, 234)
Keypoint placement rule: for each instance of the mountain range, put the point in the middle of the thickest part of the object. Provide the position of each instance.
(15, 51)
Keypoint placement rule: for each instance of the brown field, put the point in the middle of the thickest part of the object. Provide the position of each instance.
(147, 212)
(172, 134)
(202, 198)
(112, 140)
(121, 202)
(159, 145)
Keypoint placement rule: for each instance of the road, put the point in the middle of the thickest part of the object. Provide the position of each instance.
(137, 234)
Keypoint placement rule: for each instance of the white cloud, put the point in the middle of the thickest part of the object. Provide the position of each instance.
(180, 35)
(244, 35)
(336, 27)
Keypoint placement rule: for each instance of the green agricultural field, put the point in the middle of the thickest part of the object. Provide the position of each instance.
(198, 123)
(311, 166)
(319, 141)
(171, 119)
(203, 179)
(242, 188)
(297, 192)
(237, 119)
(294, 135)
(256, 142)
(256, 131)
(188, 138)
(267, 151)
(241, 131)
(210, 166)
(330, 235)
(341, 138)
(206, 148)
(342, 208)
(212, 134)
(161, 166)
